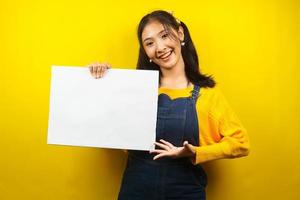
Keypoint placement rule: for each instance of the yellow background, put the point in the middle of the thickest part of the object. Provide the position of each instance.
(251, 48)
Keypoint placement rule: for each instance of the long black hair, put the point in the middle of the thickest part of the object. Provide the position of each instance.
(188, 51)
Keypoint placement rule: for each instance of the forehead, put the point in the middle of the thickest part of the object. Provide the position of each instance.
(152, 29)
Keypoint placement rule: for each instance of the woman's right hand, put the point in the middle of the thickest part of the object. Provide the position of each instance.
(98, 69)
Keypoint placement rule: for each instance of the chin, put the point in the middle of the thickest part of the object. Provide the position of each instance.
(168, 66)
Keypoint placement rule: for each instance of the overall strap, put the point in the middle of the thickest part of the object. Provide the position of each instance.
(195, 92)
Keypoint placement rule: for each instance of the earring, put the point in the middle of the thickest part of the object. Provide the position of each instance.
(150, 60)
(182, 43)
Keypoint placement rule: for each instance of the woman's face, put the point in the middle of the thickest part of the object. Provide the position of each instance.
(163, 49)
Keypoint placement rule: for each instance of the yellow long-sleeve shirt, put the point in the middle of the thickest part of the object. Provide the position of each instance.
(221, 133)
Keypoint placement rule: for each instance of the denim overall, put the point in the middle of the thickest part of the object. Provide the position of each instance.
(167, 178)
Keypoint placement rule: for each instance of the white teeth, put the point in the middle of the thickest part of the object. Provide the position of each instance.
(166, 55)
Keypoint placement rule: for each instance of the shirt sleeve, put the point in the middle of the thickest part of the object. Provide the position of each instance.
(230, 138)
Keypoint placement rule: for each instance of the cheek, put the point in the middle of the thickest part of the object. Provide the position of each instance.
(150, 52)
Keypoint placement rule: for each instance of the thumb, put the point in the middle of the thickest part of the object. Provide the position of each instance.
(188, 146)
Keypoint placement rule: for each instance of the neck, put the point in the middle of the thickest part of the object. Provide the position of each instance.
(174, 77)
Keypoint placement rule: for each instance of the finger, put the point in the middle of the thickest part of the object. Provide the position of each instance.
(167, 143)
(162, 145)
(92, 70)
(189, 146)
(94, 67)
(95, 70)
(157, 151)
(108, 65)
(105, 65)
(159, 156)
(98, 71)
(102, 69)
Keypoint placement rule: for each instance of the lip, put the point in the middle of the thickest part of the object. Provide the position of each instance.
(166, 55)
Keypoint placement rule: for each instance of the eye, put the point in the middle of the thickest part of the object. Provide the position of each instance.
(165, 35)
(149, 44)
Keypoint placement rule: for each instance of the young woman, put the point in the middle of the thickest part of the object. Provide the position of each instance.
(194, 122)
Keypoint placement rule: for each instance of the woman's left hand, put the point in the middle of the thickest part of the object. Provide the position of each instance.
(169, 150)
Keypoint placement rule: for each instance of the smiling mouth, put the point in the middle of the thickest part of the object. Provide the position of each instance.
(166, 55)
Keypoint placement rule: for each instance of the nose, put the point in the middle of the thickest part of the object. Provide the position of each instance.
(160, 48)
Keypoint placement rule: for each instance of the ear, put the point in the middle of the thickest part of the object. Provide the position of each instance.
(181, 33)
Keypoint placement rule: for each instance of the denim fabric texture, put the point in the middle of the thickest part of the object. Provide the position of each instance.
(167, 178)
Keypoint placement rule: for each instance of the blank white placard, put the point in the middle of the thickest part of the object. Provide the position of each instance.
(117, 111)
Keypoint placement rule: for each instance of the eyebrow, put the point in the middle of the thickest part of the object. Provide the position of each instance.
(157, 34)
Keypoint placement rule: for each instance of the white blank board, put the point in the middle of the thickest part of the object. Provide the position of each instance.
(117, 111)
